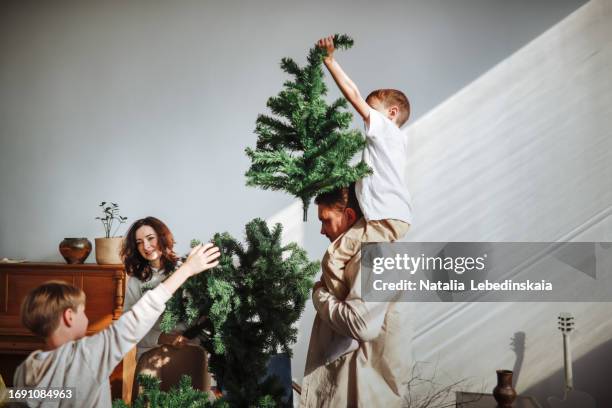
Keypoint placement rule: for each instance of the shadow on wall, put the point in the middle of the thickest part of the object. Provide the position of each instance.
(517, 344)
(594, 365)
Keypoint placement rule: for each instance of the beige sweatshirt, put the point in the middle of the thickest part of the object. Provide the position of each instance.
(87, 363)
(134, 290)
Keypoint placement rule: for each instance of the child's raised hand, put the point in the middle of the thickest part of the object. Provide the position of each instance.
(327, 43)
(202, 257)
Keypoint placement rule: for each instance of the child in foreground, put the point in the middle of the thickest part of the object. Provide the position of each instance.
(56, 312)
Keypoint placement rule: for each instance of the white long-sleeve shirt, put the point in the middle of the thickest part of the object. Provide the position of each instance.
(87, 363)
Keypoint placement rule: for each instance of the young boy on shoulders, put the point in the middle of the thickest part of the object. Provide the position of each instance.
(56, 312)
(382, 196)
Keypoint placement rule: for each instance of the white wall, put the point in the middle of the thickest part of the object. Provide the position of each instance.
(151, 104)
(523, 153)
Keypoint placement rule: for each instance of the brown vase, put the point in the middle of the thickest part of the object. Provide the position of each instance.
(75, 250)
(504, 393)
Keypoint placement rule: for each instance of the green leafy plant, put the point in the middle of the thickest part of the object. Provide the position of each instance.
(243, 310)
(306, 148)
(110, 216)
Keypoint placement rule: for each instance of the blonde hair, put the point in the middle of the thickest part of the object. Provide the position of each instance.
(392, 97)
(42, 307)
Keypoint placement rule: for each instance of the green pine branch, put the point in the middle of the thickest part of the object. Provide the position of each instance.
(306, 148)
(181, 396)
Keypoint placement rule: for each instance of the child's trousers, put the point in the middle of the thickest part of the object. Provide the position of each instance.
(347, 245)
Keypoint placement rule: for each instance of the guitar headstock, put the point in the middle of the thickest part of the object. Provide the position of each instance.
(566, 322)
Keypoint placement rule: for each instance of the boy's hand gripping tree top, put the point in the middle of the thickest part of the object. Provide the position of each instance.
(346, 85)
(306, 148)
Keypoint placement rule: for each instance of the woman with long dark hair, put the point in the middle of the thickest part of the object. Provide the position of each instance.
(148, 256)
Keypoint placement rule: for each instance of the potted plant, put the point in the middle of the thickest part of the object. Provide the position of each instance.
(109, 247)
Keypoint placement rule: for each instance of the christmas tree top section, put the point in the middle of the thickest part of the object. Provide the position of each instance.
(306, 146)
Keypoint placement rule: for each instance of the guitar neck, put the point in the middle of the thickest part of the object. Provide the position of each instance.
(572, 398)
(567, 362)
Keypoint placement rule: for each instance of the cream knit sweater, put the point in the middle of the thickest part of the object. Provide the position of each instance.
(87, 363)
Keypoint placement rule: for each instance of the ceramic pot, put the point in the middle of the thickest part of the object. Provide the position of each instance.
(75, 250)
(108, 250)
(503, 392)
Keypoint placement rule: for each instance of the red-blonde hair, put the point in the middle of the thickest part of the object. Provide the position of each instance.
(392, 97)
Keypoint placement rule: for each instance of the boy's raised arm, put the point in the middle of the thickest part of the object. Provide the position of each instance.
(104, 350)
(346, 85)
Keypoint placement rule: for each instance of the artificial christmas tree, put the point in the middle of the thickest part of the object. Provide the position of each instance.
(243, 311)
(306, 150)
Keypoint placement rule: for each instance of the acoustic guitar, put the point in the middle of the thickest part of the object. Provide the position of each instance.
(571, 398)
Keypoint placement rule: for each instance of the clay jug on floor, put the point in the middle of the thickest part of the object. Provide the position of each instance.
(503, 392)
